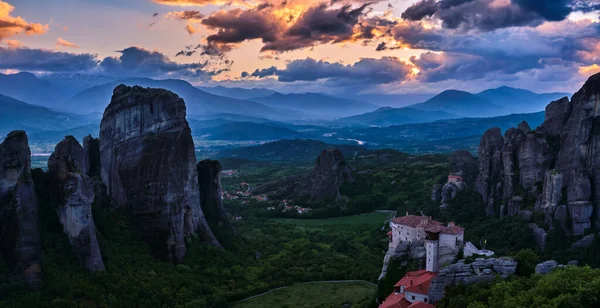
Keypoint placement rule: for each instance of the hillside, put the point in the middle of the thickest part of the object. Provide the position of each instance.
(197, 101)
(463, 104)
(288, 151)
(17, 115)
(317, 104)
(387, 116)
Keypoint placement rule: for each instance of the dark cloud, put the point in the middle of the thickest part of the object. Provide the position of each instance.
(487, 15)
(237, 25)
(28, 59)
(135, 61)
(364, 73)
(190, 15)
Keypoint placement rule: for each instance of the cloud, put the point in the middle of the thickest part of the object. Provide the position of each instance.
(189, 15)
(10, 25)
(197, 2)
(13, 43)
(364, 73)
(190, 29)
(65, 43)
(27, 59)
(488, 15)
(136, 61)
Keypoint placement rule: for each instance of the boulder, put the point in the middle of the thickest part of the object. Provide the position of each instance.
(539, 234)
(74, 197)
(148, 165)
(546, 267)
(478, 271)
(20, 240)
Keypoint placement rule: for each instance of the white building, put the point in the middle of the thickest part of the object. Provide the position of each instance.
(411, 228)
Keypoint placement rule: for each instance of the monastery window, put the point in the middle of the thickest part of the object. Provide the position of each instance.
(413, 297)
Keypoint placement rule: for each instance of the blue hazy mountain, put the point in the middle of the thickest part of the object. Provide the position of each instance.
(246, 131)
(239, 93)
(28, 88)
(197, 101)
(462, 104)
(387, 116)
(17, 115)
(519, 100)
(71, 84)
(318, 104)
(393, 100)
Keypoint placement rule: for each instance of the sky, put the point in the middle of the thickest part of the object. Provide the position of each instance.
(334, 46)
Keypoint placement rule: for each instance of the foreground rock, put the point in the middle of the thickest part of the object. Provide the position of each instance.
(148, 165)
(478, 271)
(74, 197)
(329, 173)
(211, 199)
(20, 241)
(553, 169)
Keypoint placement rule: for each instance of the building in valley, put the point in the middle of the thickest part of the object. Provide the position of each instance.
(413, 229)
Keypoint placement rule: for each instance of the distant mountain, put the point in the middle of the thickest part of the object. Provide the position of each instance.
(246, 131)
(288, 151)
(462, 104)
(239, 93)
(228, 117)
(197, 101)
(393, 100)
(387, 116)
(519, 100)
(71, 84)
(438, 136)
(55, 136)
(17, 115)
(28, 88)
(324, 106)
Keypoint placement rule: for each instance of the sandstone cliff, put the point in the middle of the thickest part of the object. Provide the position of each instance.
(211, 199)
(20, 240)
(554, 169)
(148, 165)
(74, 197)
(329, 173)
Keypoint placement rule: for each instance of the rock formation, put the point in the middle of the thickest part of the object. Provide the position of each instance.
(91, 156)
(478, 271)
(555, 168)
(211, 199)
(74, 197)
(148, 165)
(329, 173)
(462, 172)
(20, 241)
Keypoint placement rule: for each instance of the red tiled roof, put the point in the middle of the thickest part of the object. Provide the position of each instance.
(395, 300)
(416, 282)
(428, 224)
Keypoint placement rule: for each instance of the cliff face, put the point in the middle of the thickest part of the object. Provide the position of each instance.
(556, 167)
(324, 181)
(211, 199)
(74, 196)
(20, 240)
(148, 165)
(463, 170)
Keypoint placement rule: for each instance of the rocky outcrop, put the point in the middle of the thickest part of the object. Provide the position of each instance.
(91, 156)
(478, 271)
(211, 199)
(74, 197)
(20, 240)
(148, 165)
(556, 165)
(539, 234)
(329, 173)
(546, 267)
(463, 170)
(488, 183)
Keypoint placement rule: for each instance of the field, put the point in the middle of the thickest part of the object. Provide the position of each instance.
(343, 294)
(375, 218)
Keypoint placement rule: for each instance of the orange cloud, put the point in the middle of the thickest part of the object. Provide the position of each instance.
(10, 25)
(190, 29)
(589, 70)
(199, 2)
(13, 43)
(65, 43)
(190, 16)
